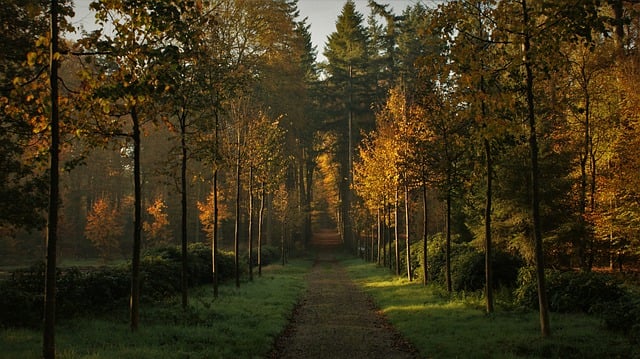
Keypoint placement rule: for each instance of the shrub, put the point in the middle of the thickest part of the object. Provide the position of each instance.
(569, 291)
(100, 289)
(467, 265)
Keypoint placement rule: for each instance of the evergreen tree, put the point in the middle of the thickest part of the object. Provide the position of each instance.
(348, 100)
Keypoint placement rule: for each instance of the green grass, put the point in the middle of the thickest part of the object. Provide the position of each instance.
(455, 326)
(241, 323)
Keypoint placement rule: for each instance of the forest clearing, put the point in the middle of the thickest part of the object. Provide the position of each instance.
(178, 160)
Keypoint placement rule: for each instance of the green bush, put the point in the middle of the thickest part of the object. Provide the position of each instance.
(270, 255)
(467, 265)
(94, 291)
(569, 291)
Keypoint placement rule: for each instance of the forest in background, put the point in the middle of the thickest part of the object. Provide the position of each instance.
(505, 126)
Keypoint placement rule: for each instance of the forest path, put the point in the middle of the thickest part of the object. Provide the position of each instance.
(335, 319)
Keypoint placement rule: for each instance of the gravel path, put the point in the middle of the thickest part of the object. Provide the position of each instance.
(335, 319)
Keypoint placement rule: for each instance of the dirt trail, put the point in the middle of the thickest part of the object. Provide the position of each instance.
(335, 319)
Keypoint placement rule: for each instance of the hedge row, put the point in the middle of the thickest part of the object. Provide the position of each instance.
(101, 289)
(597, 294)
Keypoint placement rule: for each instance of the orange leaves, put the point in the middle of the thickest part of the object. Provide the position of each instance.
(104, 227)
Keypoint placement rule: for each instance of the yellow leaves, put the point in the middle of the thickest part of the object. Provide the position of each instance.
(32, 57)
(43, 41)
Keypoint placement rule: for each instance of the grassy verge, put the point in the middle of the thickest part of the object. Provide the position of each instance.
(241, 323)
(442, 326)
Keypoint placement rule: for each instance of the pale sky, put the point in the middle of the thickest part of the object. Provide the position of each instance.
(321, 14)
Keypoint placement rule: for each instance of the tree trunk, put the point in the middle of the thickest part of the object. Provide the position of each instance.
(184, 279)
(137, 225)
(236, 235)
(214, 236)
(260, 219)
(406, 230)
(250, 225)
(487, 229)
(49, 345)
(425, 235)
(396, 232)
(447, 253)
(535, 195)
(379, 220)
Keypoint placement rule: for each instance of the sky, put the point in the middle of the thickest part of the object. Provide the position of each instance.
(320, 14)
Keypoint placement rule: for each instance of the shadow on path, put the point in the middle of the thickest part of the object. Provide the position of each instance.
(335, 319)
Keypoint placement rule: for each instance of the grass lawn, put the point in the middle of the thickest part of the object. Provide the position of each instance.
(241, 323)
(444, 326)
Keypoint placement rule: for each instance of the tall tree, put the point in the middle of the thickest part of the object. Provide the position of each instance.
(49, 348)
(347, 80)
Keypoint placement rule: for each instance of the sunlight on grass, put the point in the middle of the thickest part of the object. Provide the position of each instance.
(443, 325)
(241, 323)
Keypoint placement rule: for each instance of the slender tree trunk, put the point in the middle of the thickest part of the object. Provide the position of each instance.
(137, 224)
(373, 244)
(282, 239)
(214, 240)
(584, 158)
(379, 220)
(184, 277)
(388, 234)
(250, 226)
(260, 219)
(236, 236)
(214, 236)
(49, 344)
(487, 230)
(535, 195)
(396, 232)
(384, 235)
(448, 243)
(425, 235)
(406, 230)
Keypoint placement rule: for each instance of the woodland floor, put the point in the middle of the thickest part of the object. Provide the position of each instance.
(335, 319)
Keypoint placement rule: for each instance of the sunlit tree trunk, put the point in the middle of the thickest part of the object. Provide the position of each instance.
(397, 231)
